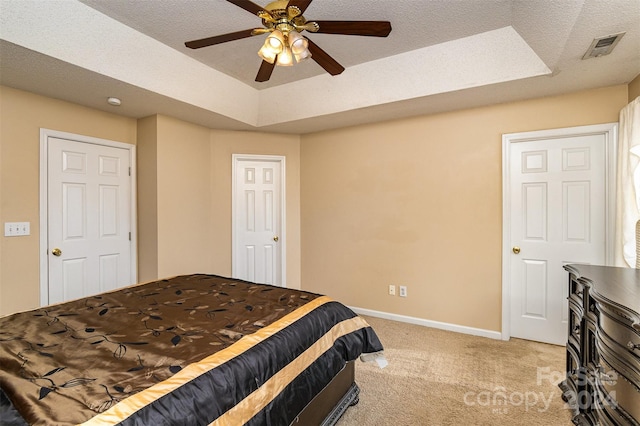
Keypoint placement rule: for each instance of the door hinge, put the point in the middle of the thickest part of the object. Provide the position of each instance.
(129, 171)
(129, 236)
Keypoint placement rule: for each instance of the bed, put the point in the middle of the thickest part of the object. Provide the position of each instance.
(189, 350)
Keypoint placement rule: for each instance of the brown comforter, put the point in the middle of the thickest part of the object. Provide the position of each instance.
(195, 349)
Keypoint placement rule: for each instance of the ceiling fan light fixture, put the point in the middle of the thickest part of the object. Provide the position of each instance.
(297, 43)
(275, 42)
(299, 46)
(284, 20)
(267, 54)
(285, 59)
(273, 46)
(302, 56)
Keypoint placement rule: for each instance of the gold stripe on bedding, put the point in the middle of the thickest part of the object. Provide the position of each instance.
(254, 403)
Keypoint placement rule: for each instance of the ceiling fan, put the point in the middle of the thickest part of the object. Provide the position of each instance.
(283, 21)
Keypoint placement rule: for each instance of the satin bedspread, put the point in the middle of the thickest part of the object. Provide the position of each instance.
(189, 350)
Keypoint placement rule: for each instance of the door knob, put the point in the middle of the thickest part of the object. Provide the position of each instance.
(56, 252)
(276, 238)
(516, 250)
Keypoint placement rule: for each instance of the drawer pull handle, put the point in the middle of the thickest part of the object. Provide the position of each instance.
(604, 377)
(632, 346)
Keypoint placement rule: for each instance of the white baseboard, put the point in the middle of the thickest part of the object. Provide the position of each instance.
(428, 323)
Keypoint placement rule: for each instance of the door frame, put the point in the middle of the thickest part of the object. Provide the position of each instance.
(280, 159)
(610, 131)
(44, 204)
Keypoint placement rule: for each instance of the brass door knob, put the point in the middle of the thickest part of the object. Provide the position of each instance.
(56, 252)
(516, 250)
(276, 239)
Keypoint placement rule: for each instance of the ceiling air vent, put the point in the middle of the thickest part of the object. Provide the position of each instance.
(602, 45)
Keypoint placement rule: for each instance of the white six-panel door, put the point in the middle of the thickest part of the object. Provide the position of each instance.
(89, 219)
(558, 203)
(257, 219)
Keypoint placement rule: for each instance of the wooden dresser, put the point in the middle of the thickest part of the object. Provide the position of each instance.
(602, 383)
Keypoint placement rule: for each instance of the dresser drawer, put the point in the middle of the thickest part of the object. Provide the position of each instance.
(618, 372)
(608, 412)
(618, 329)
(617, 395)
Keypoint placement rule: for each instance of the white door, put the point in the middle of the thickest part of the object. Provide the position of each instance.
(558, 209)
(258, 200)
(88, 219)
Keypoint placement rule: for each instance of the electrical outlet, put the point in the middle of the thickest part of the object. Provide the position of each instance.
(403, 291)
(392, 290)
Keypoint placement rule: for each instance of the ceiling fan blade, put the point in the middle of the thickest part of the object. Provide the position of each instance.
(264, 73)
(210, 41)
(300, 4)
(248, 6)
(362, 28)
(324, 60)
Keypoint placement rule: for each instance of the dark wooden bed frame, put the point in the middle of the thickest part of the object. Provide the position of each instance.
(330, 404)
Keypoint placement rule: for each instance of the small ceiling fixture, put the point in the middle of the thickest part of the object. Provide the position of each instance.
(114, 101)
(283, 21)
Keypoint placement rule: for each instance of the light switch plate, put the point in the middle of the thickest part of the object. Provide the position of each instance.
(17, 229)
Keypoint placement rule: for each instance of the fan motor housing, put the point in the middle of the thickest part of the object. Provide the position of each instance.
(285, 18)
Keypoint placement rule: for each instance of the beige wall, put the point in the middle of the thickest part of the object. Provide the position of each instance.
(634, 88)
(184, 204)
(413, 202)
(22, 114)
(418, 202)
(184, 198)
(147, 177)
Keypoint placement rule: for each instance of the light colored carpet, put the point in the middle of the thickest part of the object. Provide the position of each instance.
(437, 377)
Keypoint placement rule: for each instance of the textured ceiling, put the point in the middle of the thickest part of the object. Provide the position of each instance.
(441, 55)
(415, 23)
